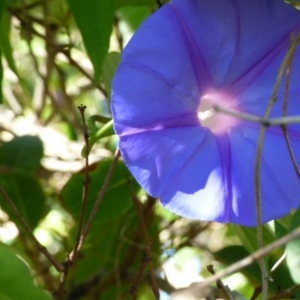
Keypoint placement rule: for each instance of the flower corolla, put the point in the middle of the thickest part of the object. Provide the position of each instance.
(187, 57)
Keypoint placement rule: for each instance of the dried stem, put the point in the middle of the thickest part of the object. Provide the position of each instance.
(224, 289)
(81, 70)
(72, 257)
(143, 263)
(146, 238)
(278, 262)
(256, 292)
(59, 267)
(286, 294)
(86, 184)
(99, 199)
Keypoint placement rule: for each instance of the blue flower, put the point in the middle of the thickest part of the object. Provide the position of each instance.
(188, 56)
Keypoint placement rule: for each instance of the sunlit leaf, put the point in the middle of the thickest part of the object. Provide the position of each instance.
(94, 19)
(293, 252)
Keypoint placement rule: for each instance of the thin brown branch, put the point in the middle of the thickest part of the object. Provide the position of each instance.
(224, 289)
(143, 263)
(99, 198)
(86, 184)
(146, 238)
(286, 294)
(81, 70)
(59, 267)
(72, 257)
(256, 292)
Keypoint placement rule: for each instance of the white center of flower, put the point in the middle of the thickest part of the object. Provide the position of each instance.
(217, 122)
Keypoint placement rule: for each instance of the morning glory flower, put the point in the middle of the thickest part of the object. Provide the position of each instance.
(187, 57)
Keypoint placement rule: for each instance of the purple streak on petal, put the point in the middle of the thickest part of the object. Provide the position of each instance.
(162, 46)
(154, 157)
(228, 33)
(142, 99)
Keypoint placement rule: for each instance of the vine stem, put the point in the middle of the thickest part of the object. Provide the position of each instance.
(258, 157)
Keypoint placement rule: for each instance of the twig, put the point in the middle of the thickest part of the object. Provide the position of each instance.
(72, 257)
(99, 198)
(143, 263)
(287, 294)
(84, 72)
(256, 292)
(279, 261)
(86, 184)
(59, 267)
(254, 257)
(224, 289)
(147, 241)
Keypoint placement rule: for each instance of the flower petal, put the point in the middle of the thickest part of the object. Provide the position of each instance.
(225, 50)
(143, 100)
(154, 157)
(280, 186)
(237, 42)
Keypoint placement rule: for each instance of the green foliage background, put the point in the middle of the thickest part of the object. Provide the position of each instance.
(56, 55)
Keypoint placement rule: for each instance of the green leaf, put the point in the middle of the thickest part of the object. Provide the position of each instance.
(109, 67)
(5, 42)
(293, 252)
(134, 15)
(281, 276)
(3, 6)
(23, 152)
(232, 254)
(94, 19)
(105, 131)
(15, 280)
(26, 193)
(248, 236)
(117, 197)
(1, 78)
(120, 3)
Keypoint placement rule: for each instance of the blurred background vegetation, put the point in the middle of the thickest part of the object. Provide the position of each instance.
(58, 55)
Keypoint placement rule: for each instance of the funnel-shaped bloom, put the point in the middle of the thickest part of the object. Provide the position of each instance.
(188, 56)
